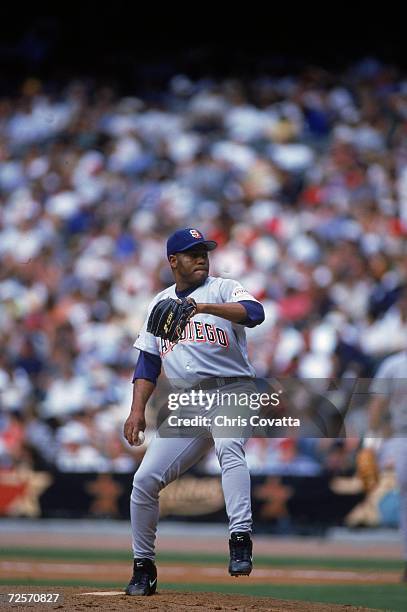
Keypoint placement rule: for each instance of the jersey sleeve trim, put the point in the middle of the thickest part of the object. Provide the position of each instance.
(255, 313)
(148, 367)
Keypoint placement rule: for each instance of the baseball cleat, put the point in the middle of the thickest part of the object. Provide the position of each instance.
(241, 561)
(144, 579)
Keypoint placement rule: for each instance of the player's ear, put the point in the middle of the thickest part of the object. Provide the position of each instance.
(173, 261)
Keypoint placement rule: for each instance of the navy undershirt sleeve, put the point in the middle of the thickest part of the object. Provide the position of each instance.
(148, 366)
(255, 313)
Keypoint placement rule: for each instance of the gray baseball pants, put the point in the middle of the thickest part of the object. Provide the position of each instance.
(167, 458)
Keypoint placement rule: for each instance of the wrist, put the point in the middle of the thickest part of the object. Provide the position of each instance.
(137, 410)
(200, 308)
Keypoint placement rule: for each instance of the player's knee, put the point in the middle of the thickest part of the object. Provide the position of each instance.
(145, 486)
(230, 453)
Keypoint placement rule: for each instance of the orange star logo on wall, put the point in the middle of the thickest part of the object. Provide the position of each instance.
(20, 490)
(275, 496)
(106, 492)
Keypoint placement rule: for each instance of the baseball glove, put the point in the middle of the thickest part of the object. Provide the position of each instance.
(366, 468)
(169, 318)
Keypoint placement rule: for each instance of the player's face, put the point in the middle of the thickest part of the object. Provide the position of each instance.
(191, 266)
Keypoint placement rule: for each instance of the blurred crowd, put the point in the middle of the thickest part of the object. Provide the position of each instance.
(302, 180)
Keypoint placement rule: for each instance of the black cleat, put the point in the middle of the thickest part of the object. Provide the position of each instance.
(240, 547)
(144, 579)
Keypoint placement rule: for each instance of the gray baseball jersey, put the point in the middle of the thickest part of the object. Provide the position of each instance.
(210, 346)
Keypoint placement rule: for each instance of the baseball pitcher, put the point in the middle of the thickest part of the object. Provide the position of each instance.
(195, 331)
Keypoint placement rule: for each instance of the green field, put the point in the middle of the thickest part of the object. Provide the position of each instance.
(76, 555)
(392, 597)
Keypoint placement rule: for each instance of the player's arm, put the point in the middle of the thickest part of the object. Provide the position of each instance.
(247, 312)
(144, 380)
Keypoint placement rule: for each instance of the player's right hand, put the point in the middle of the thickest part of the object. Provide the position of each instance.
(134, 423)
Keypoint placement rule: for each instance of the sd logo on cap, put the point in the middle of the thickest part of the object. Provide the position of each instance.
(181, 241)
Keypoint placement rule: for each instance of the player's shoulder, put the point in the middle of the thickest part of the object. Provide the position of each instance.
(221, 285)
(234, 290)
(220, 281)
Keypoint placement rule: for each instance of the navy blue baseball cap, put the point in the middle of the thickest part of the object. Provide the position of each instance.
(185, 239)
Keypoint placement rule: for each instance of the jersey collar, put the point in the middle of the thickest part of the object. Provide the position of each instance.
(186, 292)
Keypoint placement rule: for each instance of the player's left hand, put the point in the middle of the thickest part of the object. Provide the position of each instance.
(169, 318)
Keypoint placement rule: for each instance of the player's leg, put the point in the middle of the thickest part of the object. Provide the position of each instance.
(236, 489)
(235, 482)
(165, 460)
(230, 430)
